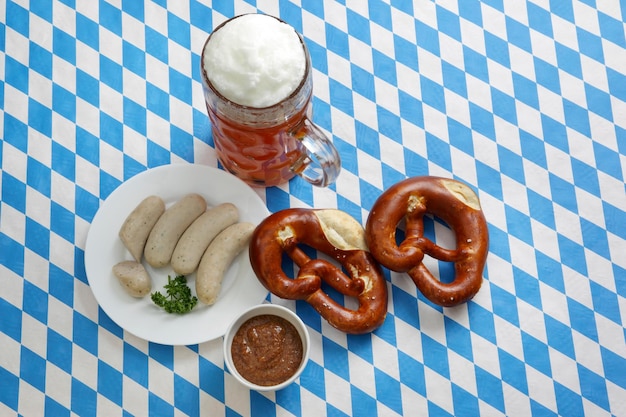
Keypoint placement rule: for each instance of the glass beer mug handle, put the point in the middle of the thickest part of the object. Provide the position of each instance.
(321, 163)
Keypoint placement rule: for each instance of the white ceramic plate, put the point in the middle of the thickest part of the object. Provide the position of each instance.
(141, 317)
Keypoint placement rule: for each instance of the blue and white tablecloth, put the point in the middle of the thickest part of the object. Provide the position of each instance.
(523, 100)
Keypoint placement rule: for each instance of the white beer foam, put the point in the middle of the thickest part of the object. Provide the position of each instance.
(255, 60)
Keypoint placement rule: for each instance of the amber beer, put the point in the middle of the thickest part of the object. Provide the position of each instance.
(263, 156)
(260, 106)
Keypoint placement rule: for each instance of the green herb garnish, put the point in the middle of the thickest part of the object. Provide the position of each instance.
(178, 299)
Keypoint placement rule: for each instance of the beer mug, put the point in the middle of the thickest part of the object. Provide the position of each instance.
(258, 85)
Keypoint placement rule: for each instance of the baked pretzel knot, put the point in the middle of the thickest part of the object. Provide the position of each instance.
(451, 201)
(342, 238)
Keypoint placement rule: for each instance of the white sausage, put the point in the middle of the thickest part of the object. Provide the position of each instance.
(170, 227)
(217, 259)
(137, 226)
(196, 239)
(133, 277)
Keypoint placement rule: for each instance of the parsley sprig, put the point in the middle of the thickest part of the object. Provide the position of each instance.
(178, 299)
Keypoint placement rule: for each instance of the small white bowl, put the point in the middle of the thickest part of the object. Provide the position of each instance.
(258, 310)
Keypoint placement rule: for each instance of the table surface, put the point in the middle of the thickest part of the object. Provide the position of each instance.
(523, 101)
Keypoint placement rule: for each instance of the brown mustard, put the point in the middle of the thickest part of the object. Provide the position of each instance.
(267, 350)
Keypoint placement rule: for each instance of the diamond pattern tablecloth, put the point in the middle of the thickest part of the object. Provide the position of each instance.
(523, 100)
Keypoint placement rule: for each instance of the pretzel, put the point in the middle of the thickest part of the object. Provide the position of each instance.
(451, 201)
(342, 238)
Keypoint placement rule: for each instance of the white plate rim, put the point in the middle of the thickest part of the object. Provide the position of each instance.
(140, 317)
